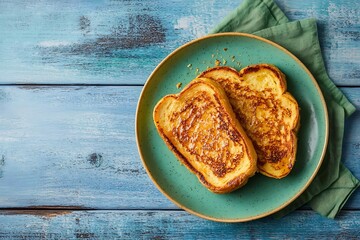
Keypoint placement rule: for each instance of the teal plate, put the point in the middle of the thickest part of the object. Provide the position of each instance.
(261, 196)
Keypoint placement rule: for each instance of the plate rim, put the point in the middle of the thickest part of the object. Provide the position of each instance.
(322, 100)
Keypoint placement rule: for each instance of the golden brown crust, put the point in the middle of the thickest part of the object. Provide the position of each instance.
(200, 128)
(269, 114)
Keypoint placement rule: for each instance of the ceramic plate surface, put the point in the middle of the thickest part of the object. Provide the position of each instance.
(261, 196)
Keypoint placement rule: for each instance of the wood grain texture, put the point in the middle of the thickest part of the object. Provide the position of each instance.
(339, 34)
(75, 146)
(174, 225)
(72, 146)
(118, 42)
(121, 42)
(69, 167)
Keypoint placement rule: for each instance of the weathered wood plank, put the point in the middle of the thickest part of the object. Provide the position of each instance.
(173, 225)
(72, 146)
(121, 42)
(96, 42)
(339, 34)
(351, 143)
(75, 147)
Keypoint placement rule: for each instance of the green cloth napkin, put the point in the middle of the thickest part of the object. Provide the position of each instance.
(334, 183)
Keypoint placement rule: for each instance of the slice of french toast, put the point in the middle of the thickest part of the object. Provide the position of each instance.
(269, 114)
(201, 129)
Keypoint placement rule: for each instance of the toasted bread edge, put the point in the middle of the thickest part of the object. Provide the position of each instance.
(235, 183)
(283, 84)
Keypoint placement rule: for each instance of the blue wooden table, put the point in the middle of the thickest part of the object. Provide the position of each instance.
(70, 77)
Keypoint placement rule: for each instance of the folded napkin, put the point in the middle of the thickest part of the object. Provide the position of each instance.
(334, 183)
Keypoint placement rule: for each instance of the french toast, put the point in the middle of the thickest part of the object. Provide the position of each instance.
(268, 113)
(200, 128)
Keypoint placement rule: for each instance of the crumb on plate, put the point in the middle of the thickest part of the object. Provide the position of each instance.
(178, 85)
